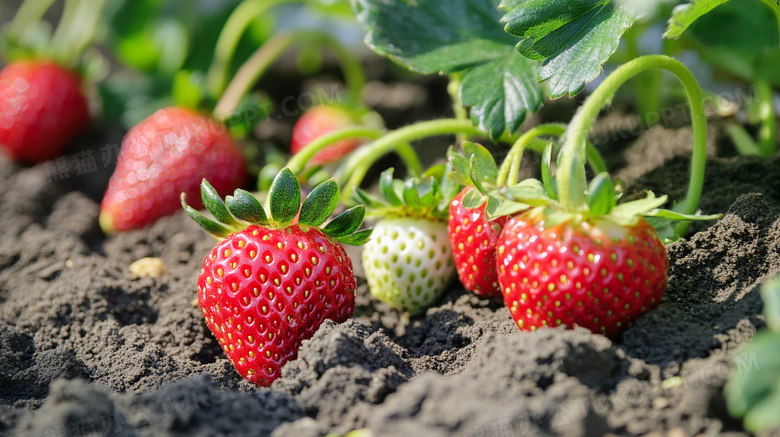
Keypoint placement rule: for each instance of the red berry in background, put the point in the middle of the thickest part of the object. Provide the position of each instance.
(597, 275)
(473, 240)
(320, 121)
(263, 291)
(168, 153)
(42, 109)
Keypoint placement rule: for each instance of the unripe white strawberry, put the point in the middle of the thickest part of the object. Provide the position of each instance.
(408, 262)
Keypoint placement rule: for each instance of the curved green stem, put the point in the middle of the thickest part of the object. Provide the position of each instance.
(571, 171)
(410, 158)
(231, 34)
(29, 12)
(370, 153)
(767, 135)
(268, 53)
(298, 162)
(453, 88)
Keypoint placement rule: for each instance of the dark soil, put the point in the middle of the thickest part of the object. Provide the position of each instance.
(87, 347)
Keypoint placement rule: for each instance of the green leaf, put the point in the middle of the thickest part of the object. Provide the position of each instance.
(745, 27)
(368, 200)
(574, 37)
(677, 216)
(530, 192)
(474, 178)
(448, 188)
(320, 203)
(753, 390)
(387, 188)
(434, 36)
(770, 292)
(214, 204)
(216, 229)
(502, 94)
(496, 208)
(345, 223)
(685, 15)
(356, 239)
(484, 163)
(284, 198)
(245, 206)
(601, 195)
(473, 199)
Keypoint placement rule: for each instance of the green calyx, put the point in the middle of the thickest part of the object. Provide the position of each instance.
(243, 209)
(426, 197)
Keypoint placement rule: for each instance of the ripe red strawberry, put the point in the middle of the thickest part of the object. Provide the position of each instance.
(320, 121)
(593, 274)
(168, 153)
(42, 108)
(473, 239)
(270, 284)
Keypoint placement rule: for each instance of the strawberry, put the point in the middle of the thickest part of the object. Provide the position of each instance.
(473, 238)
(576, 257)
(594, 273)
(42, 110)
(273, 280)
(408, 261)
(320, 121)
(472, 235)
(168, 153)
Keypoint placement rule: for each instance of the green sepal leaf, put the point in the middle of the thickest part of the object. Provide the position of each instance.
(429, 192)
(574, 37)
(502, 94)
(628, 213)
(345, 223)
(529, 192)
(367, 199)
(245, 206)
(547, 177)
(214, 204)
(411, 194)
(483, 162)
(460, 165)
(473, 199)
(216, 229)
(601, 195)
(685, 15)
(677, 216)
(554, 216)
(474, 178)
(664, 228)
(496, 208)
(320, 203)
(448, 188)
(770, 293)
(387, 188)
(284, 198)
(357, 239)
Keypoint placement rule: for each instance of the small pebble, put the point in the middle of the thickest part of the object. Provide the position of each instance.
(153, 267)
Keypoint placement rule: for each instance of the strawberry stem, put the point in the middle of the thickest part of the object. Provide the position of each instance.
(270, 51)
(352, 172)
(298, 162)
(571, 170)
(767, 135)
(29, 12)
(453, 88)
(76, 29)
(235, 26)
(511, 166)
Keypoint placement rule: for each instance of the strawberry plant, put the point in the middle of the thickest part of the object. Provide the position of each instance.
(274, 278)
(575, 256)
(44, 103)
(408, 260)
